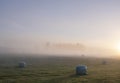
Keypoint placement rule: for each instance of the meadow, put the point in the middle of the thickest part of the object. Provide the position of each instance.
(51, 69)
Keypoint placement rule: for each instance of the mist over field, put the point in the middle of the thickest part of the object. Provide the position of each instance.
(60, 27)
(39, 48)
(59, 41)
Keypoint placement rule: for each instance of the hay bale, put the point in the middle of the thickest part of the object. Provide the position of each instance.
(104, 62)
(81, 70)
(22, 64)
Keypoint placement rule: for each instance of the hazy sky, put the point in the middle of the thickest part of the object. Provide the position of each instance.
(48, 26)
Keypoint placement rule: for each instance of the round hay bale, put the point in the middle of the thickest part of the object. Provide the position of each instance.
(81, 70)
(104, 62)
(22, 64)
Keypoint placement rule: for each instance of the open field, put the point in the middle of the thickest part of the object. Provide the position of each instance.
(58, 70)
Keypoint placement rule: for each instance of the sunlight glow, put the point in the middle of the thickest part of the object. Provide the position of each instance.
(118, 47)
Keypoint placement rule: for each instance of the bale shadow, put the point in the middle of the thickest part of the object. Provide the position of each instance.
(74, 75)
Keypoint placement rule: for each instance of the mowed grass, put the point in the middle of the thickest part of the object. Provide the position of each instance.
(58, 70)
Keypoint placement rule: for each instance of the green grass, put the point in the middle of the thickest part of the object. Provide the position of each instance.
(58, 70)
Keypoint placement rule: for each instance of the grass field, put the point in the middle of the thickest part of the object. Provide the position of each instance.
(58, 70)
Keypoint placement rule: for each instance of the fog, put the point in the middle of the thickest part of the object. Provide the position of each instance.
(63, 48)
(67, 27)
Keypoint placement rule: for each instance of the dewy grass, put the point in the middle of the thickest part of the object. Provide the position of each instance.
(58, 70)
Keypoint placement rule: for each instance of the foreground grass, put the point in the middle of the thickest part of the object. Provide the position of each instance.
(58, 70)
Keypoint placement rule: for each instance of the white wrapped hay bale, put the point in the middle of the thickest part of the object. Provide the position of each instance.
(22, 64)
(104, 62)
(81, 70)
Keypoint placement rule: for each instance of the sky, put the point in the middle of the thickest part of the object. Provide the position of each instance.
(60, 26)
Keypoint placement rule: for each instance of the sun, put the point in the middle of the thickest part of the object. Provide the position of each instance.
(118, 47)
